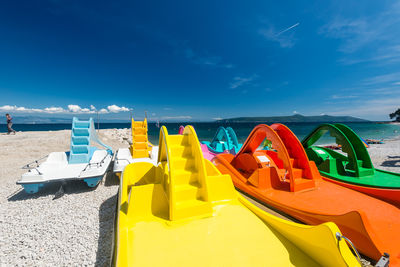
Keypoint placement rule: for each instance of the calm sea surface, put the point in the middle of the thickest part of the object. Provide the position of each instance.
(206, 131)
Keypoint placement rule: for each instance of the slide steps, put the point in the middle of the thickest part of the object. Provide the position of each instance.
(140, 147)
(188, 200)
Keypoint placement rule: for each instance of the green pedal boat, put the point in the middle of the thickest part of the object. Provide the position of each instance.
(353, 168)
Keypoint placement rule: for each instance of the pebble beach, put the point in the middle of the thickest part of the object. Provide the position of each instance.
(76, 229)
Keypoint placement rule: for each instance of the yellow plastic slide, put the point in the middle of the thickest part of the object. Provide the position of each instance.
(184, 212)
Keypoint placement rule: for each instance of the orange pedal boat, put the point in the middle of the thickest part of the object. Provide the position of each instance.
(285, 179)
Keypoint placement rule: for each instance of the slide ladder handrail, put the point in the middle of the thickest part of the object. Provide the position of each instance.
(132, 129)
(341, 139)
(165, 159)
(94, 137)
(145, 123)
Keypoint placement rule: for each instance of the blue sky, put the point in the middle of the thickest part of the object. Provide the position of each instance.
(186, 60)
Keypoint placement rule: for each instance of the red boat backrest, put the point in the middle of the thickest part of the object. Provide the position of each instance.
(246, 164)
(295, 148)
(257, 136)
(288, 149)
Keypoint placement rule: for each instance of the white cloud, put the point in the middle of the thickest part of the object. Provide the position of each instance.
(218, 118)
(116, 109)
(383, 55)
(285, 40)
(240, 81)
(355, 32)
(197, 57)
(75, 109)
(370, 109)
(166, 108)
(373, 38)
(54, 110)
(385, 78)
(8, 108)
(212, 61)
(31, 110)
(78, 109)
(342, 96)
(20, 109)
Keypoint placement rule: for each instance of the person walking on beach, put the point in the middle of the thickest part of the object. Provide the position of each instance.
(9, 124)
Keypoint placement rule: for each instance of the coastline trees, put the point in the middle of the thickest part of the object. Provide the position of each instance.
(395, 115)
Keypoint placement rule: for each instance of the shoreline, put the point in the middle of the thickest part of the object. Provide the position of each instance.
(389, 122)
(394, 138)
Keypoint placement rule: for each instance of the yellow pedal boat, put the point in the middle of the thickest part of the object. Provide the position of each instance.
(184, 212)
(140, 150)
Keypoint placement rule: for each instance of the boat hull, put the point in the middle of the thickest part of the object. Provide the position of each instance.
(57, 169)
(368, 222)
(389, 195)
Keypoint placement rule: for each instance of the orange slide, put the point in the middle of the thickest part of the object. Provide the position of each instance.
(285, 179)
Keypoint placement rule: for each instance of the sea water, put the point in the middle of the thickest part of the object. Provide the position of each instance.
(206, 130)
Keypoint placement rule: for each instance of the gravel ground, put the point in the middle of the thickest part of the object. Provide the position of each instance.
(76, 229)
(36, 230)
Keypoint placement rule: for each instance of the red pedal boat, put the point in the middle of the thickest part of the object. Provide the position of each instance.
(285, 179)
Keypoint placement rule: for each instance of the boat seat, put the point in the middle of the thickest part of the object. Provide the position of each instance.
(98, 155)
(57, 157)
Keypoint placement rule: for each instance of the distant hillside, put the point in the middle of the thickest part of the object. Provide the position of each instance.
(37, 120)
(296, 118)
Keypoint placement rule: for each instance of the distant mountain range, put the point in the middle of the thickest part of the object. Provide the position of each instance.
(295, 118)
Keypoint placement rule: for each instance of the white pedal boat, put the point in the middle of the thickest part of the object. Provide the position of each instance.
(56, 168)
(82, 162)
(124, 157)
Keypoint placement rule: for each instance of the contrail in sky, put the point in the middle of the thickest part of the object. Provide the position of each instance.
(291, 27)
